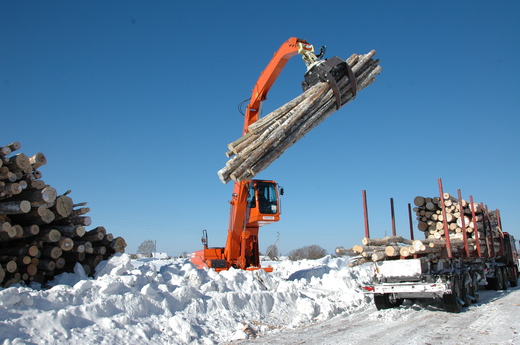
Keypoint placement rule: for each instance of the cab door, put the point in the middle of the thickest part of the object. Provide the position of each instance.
(263, 203)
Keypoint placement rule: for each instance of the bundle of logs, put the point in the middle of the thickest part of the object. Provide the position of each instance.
(42, 233)
(268, 138)
(474, 218)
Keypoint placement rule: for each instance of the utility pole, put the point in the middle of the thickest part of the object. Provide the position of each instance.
(278, 243)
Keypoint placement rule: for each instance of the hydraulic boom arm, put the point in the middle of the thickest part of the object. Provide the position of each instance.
(287, 50)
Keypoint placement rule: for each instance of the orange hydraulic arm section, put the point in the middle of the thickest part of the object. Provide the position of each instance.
(290, 48)
(256, 202)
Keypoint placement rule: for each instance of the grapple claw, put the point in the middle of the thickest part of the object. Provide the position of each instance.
(330, 71)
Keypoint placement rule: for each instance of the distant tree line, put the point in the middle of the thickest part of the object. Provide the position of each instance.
(312, 252)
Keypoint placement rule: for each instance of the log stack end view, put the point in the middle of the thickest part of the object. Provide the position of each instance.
(43, 233)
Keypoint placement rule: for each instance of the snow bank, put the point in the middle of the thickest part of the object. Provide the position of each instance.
(153, 301)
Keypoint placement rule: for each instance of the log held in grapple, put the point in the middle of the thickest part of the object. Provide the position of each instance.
(268, 138)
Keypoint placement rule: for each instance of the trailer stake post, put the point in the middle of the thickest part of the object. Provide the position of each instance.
(365, 213)
(446, 230)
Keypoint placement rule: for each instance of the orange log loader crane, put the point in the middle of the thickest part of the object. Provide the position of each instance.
(254, 203)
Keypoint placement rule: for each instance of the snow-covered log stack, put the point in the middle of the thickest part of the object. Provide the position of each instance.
(43, 233)
(268, 138)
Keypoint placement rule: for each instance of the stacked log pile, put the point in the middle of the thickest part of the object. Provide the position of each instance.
(460, 216)
(42, 233)
(268, 138)
(479, 224)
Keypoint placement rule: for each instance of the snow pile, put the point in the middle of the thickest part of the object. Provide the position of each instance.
(170, 302)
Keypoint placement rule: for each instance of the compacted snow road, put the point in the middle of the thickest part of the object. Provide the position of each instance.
(494, 320)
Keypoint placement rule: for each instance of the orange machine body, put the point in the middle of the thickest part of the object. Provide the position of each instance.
(254, 203)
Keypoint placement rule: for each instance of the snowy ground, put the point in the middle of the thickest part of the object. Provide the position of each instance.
(304, 302)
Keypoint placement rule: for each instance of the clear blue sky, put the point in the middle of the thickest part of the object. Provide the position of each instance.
(134, 103)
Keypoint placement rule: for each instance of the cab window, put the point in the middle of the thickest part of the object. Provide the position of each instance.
(266, 196)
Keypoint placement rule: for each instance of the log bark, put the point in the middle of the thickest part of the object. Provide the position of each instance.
(47, 265)
(11, 188)
(87, 246)
(385, 241)
(8, 234)
(37, 215)
(80, 211)
(84, 221)
(49, 236)
(340, 251)
(377, 256)
(66, 243)
(19, 162)
(418, 201)
(30, 250)
(19, 231)
(118, 245)
(392, 251)
(60, 263)
(405, 251)
(93, 236)
(37, 160)
(23, 261)
(4, 151)
(4, 226)
(100, 250)
(73, 256)
(78, 248)
(70, 230)
(52, 252)
(62, 206)
(38, 197)
(31, 269)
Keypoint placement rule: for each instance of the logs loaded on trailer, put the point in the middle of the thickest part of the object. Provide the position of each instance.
(475, 220)
(268, 138)
(43, 233)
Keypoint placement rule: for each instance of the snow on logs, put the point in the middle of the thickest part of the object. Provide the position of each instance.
(268, 138)
(474, 219)
(42, 233)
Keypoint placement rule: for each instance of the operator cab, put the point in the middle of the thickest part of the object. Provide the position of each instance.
(263, 202)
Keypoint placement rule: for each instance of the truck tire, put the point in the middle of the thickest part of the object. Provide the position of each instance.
(514, 277)
(386, 301)
(476, 289)
(504, 278)
(467, 287)
(497, 283)
(453, 302)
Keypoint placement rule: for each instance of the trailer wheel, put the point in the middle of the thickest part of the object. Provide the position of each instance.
(514, 277)
(476, 289)
(386, 301)
(468, 289)
(453, 302)
(497, 283)
(504, 278)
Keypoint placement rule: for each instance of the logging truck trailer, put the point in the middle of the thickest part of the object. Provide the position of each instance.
(455, 281)
(450, 268)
